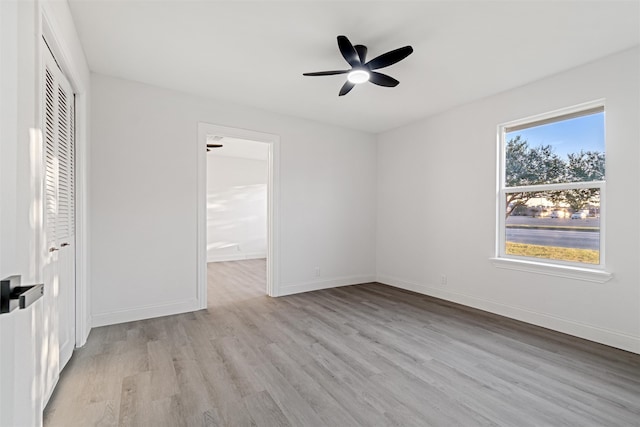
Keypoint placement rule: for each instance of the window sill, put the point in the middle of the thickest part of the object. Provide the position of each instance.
(569, 272)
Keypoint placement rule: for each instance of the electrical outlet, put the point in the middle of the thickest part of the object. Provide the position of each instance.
(443, 279)
(317, 271)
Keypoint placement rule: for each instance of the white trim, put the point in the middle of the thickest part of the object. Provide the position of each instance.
(83, 313)
(201, 218)
(582, 330)
(565, 271)
(316, 285)
(556, 113)
(49, 30)
(273, 186)
(144, 312)
(273, 219)
(235, 257)
(555, 187)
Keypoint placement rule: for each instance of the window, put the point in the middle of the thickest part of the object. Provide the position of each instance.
(552, 188)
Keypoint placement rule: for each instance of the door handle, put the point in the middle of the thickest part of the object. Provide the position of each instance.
(65, 244)
(53, 249)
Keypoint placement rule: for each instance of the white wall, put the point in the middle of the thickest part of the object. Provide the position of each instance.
(236, 208)
(143, 210)
(437, 207)
(23, 334)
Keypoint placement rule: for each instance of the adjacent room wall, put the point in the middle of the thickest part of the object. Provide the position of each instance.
(437, 207)
(143, 209)
(236, 208)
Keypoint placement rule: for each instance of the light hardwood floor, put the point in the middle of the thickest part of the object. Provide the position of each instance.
(367, 355)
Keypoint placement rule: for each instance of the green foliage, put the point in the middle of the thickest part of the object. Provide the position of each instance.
(530, 166)
(527, 165)
(585, 166)
(582, 167)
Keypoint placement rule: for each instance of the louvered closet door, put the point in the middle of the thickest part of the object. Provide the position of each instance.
(65, 221)
(59, 217)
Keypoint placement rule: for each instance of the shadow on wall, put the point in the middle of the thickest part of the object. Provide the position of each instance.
(237, 223)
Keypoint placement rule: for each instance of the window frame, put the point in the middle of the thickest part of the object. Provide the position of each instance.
(576, 270)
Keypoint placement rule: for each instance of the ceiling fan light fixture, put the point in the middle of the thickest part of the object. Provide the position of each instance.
(358, 76)
(362, 70)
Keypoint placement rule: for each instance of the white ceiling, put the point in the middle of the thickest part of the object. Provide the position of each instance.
(254, 53)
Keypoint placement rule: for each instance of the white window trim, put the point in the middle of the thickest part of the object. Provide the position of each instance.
(551, 269)
(596, 273)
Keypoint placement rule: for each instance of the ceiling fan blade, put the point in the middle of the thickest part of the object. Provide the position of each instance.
(326, 73)
(362, 52)
(214, 146)
(346, 88)
(348, 51)
(382, 79)
(389, 58)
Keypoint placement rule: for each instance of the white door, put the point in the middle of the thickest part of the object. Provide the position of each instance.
(59, 219)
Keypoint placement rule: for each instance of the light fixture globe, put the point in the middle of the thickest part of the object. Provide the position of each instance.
(358, 76)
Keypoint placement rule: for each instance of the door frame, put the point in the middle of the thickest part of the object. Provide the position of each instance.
(273, 203)
(53, 34)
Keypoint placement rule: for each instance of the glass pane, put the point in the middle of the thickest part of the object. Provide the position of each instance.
(569, 150)
(558, 225)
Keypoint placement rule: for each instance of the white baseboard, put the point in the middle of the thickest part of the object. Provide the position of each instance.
(593, 333)
(316, 285)
(236, 257)
(144, 312)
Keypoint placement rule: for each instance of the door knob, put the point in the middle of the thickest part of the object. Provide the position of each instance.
(65, 244)
(53, 249)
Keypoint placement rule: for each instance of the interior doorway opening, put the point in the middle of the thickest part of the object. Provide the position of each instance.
(238, 201)
(237, 180)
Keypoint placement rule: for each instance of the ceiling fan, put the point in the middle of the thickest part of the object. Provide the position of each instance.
(362, 71)
(210, 141)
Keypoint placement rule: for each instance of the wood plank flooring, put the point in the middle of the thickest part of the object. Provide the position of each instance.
(367, 355)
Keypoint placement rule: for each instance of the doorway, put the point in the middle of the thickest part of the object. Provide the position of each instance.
(232, 199)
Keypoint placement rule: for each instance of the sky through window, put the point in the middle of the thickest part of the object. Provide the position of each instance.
(567, 136)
